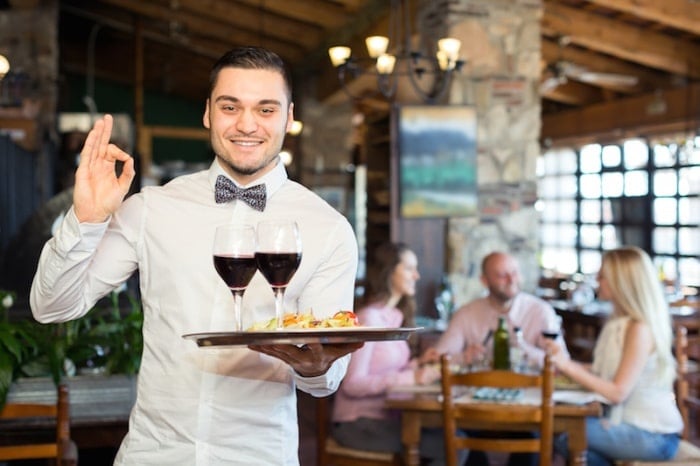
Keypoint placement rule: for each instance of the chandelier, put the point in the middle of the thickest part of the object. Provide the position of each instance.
(401, 55)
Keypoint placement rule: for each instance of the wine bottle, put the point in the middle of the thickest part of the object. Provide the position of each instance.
(501, 346)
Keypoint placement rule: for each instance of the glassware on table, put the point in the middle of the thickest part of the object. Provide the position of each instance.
(278, 256)
(234, 261)
(552, 328)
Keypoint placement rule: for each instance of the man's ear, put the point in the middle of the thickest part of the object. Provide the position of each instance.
(205, 117)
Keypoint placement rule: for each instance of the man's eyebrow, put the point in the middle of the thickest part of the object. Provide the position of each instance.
(228, 98)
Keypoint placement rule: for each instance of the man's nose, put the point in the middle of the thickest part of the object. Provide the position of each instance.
(246, 122)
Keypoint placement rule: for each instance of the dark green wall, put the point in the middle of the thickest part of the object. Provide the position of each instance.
(159, 109)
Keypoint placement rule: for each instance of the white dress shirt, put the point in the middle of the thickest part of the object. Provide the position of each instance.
(197, 406)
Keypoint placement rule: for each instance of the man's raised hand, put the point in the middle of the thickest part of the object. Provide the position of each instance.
(98, 191)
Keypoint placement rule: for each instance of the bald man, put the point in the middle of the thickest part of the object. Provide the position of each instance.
(467, 336)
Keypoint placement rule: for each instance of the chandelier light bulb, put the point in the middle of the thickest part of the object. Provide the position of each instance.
(444, 62)
(385, 63)
(339, 55)
(4, 66)
(451, 47)
(377, 45)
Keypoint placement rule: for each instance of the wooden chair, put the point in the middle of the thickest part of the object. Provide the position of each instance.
(62, 451)
(687, 349)
(499, 416)
(331, 453)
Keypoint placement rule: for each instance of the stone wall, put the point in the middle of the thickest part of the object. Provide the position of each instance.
(501, 43)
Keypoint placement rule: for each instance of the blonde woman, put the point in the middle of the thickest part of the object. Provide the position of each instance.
(633, 367)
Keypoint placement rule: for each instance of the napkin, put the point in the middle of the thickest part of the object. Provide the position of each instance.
(576, 397)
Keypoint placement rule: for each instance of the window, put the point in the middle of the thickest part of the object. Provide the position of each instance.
(639, 192)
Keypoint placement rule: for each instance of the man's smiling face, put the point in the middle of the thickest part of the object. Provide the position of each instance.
(248, 114)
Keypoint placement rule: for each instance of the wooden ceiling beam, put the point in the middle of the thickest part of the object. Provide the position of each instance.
(256, 22)
(625, 41)
(679, 14)
(330, 14)
(631, 114)
(207, 28)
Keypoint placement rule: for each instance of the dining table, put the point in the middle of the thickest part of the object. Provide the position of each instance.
(423, 408)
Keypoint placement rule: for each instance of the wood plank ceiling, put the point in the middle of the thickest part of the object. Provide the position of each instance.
(598, 55)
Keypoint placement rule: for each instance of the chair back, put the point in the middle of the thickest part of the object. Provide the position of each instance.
(331, 453)
(503, 417)
(687, 350)
(63, 450)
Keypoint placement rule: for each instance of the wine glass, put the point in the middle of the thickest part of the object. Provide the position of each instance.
(278, 256)
(552, 328)
(234, 261)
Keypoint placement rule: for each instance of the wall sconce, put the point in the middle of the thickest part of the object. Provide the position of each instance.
(4, 66)
(296, 128)
(286, 157)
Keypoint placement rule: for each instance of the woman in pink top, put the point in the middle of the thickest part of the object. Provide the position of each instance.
(360, 419)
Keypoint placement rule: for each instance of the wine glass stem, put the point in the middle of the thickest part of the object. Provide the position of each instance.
(237, 317)
(279, 306)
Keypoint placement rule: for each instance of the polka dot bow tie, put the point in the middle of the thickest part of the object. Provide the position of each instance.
(226, 191)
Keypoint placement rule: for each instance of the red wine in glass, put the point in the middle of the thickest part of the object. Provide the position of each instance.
(234, 261)
(553, 328)
(235, 271)
(278, 256)
(278, 268)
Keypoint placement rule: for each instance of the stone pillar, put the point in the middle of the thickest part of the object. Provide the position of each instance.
(501, 45)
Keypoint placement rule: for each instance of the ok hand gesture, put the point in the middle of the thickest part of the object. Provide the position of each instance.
(98, 191)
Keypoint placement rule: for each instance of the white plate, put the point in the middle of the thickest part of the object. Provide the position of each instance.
(301, 336)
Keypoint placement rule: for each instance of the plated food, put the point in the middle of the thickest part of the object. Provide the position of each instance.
(341, 319)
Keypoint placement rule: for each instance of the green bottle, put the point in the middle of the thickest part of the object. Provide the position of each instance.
(501, 346)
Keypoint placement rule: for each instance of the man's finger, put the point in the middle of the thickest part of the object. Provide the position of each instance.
(87, 155)
(105, 136)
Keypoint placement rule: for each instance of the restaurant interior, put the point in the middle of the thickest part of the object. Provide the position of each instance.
(551, 129)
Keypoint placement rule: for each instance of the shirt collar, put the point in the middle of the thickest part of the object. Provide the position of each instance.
(272, 180)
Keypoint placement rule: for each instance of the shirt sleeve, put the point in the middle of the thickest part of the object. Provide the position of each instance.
(56, 294)
(326, 384)
(81, 263)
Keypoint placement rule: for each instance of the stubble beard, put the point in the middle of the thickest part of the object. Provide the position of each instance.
(503, 297)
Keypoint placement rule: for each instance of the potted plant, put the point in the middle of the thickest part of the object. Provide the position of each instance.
(107, 340)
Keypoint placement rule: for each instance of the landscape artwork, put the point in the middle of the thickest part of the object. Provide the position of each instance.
(437, 161)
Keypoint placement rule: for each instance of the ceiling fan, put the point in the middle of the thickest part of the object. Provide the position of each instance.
(561, 71)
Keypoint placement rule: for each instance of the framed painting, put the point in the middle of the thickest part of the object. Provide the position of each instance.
(437, 160)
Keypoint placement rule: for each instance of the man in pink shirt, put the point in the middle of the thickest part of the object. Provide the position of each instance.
(468, 335)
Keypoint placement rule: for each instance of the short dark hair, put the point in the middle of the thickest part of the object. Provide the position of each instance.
(251, 58)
